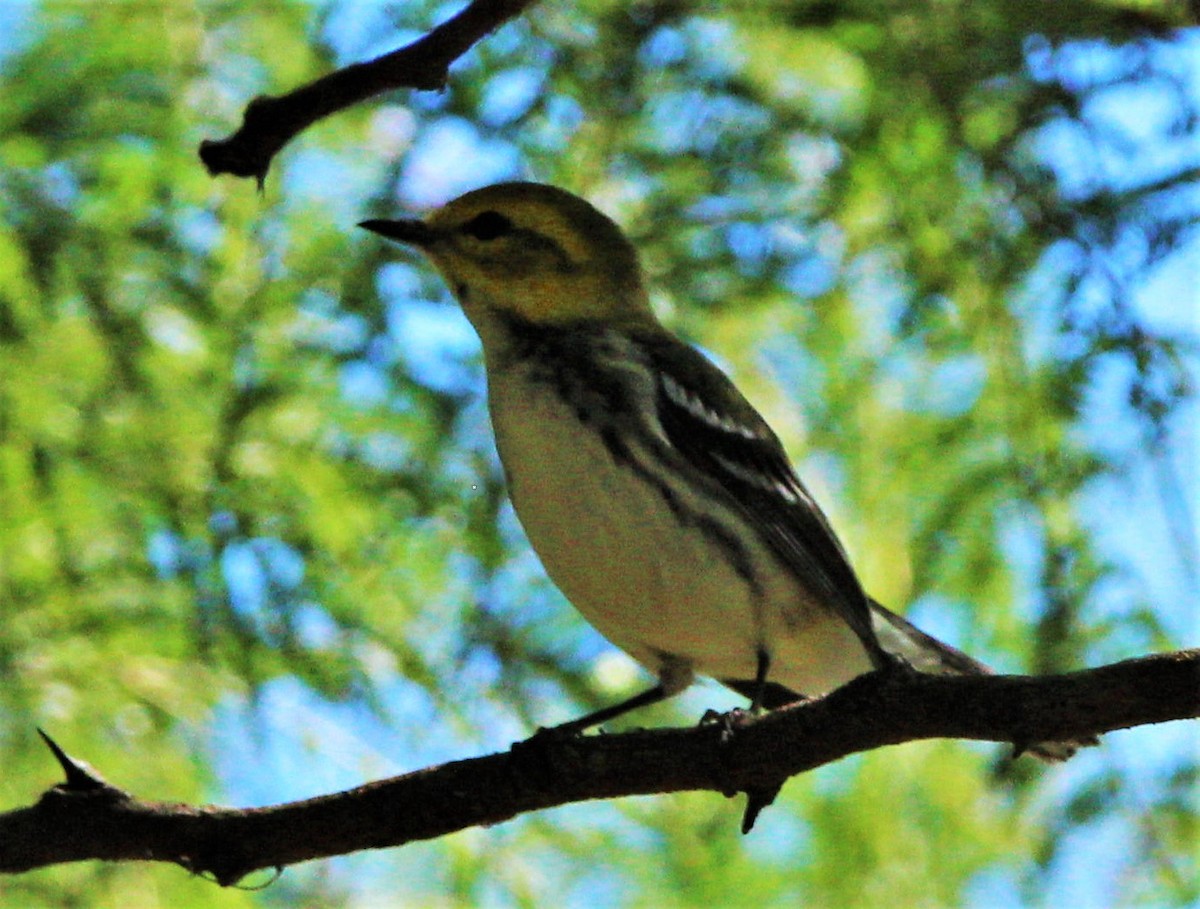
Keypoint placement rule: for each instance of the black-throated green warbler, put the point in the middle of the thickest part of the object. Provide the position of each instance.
(659, 501)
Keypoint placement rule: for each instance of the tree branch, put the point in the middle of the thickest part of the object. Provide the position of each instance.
(269, 123)
(73, 822)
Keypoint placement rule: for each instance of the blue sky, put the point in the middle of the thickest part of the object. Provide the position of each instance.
(1144, 519)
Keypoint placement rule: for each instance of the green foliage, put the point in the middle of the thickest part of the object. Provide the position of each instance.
(227, 464)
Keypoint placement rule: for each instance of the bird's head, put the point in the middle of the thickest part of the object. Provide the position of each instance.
(530, 251)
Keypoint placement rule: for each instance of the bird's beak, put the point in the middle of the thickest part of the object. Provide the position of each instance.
(410, 231)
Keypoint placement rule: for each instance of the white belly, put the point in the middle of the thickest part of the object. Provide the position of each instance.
(656, 585)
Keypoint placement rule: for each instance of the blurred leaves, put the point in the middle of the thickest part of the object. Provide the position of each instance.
(241, 446)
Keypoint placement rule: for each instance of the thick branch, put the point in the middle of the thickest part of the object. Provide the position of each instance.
(98, 821)
(269, 123)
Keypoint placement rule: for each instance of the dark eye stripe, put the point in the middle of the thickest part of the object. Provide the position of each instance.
(487, 225)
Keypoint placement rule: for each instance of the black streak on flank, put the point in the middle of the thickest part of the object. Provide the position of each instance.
(562, 359)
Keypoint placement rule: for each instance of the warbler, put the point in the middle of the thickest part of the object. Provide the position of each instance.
(658, 499)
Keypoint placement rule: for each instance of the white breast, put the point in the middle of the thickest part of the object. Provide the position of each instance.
(654, 583)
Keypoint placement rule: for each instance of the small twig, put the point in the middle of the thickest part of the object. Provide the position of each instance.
(80, 776)
(269, 123)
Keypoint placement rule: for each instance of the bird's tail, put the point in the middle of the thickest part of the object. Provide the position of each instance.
(926, 653)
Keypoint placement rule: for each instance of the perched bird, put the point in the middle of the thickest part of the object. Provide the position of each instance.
(658, 499)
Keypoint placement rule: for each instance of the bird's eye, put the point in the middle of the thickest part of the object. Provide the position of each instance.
(487, 225)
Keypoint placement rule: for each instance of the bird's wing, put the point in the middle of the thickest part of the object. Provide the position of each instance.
(708, 421)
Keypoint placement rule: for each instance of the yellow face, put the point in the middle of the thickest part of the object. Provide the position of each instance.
(531, 251)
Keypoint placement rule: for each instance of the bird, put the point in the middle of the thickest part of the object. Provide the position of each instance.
(656, 496)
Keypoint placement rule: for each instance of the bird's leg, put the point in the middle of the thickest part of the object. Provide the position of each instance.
(759, 797)
(760, 679)
(603, 715)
